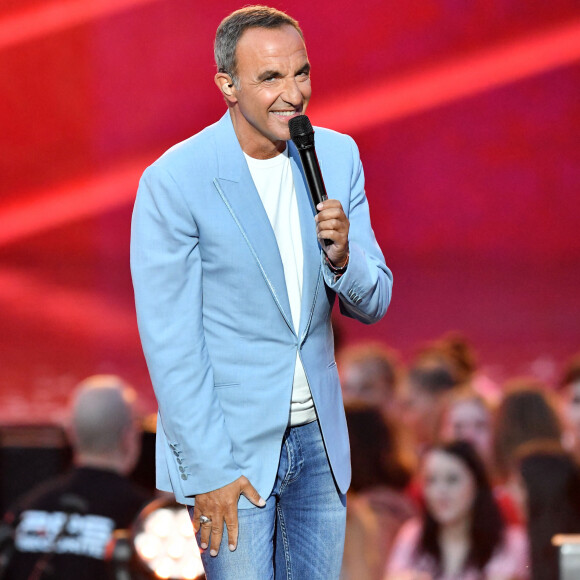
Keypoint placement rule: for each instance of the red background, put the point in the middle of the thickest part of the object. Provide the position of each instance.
(467, 115)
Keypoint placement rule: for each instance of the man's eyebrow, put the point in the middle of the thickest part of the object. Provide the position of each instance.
(268, 74)
(275, 73)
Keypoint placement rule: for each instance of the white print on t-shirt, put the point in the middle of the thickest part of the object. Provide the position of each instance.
(85, 535)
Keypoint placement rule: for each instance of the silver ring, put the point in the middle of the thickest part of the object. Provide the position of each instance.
(204, 520)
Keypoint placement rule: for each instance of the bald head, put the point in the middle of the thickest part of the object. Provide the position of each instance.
(103, 417)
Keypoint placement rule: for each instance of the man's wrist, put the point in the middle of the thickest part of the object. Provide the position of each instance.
(337, 270)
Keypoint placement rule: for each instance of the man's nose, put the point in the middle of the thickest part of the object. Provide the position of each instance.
(292, 94)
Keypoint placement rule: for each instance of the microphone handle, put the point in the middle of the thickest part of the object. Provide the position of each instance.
(313, 175)
(313, 178)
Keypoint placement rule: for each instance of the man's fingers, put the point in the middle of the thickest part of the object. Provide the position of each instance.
(221, 506)
(195, 520)
(333, 220)
(217, 530)
(329, 203)
(206, 529)
(331, 224)
(333, 234)
(232, 528)
(248, 490)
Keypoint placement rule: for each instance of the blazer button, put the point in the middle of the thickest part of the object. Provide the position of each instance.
(181, 469)
(183, 476)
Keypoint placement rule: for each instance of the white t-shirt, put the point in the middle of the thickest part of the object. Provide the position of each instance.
(275, 184)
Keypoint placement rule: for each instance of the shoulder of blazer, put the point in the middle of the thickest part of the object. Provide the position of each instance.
(199, 153)
(324, 137)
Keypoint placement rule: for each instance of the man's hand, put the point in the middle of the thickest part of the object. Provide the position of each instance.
(332, 224)
(221, 505)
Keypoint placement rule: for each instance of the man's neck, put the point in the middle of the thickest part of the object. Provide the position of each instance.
(254, 145)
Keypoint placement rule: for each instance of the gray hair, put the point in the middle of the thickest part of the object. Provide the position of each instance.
(102, 411)
(233, 26)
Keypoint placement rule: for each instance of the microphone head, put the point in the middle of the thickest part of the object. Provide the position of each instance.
(301, 132)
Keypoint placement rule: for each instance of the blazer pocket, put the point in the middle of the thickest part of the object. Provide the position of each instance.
(225, 385)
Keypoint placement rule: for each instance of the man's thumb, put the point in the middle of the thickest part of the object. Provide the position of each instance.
(249, 491)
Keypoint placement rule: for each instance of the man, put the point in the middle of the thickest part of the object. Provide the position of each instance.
(234, 296)
(64, 526)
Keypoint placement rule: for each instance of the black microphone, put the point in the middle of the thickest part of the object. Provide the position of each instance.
(302, 135)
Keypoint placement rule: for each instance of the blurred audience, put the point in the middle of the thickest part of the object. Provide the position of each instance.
(63, 527)
(452, 351)
(442, 522)
(548, 481)
(526, 412)
(569, 391)
(427, 388)
(461, 535)
(377, 505)
(370, 372)
(467, 416)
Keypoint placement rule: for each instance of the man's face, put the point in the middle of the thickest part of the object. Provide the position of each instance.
(273, 86)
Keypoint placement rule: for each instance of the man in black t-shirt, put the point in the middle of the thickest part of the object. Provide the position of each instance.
(62, 527)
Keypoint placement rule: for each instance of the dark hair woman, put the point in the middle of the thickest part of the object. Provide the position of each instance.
(526, 413)
(551, 480)
(461, 535)
(377, 505)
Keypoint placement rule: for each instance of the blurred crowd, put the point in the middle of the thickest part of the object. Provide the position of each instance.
(450, 483)
(63, 527)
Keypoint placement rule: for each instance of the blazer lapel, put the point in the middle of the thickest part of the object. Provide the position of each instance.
(310, 245)
(236, 187)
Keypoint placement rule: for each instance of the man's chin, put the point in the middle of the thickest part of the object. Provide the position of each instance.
(280, 136)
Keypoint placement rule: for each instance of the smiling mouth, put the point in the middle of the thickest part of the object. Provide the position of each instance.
(286, 114)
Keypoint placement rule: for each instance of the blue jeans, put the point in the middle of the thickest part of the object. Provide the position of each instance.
(299, 534)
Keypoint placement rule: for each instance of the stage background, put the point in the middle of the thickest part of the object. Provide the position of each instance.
(467, 115)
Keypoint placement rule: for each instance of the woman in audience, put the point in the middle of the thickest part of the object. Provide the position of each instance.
(455, 352)
(461, 535)
(526, 413)
(468, 417)
(549, 483)
(370, 372)
(377, 505)
(426, 390)
(569, 391)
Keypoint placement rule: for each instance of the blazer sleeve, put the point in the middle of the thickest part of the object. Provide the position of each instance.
(365, 289)
(167, 278)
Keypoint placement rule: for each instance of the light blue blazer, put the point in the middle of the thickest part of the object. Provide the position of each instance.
(214, 315)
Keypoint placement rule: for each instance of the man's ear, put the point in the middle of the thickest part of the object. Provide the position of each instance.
(226, 86)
